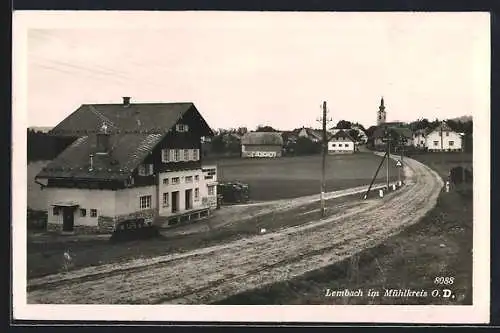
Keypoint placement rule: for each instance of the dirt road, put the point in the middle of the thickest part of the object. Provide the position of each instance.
(210, 274)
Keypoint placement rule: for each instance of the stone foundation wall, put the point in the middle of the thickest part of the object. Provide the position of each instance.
(77, 229)
(108, 223)
(54, 227)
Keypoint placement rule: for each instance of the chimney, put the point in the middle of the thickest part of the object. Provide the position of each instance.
(126, 101)
(91, 166)
(103, 138)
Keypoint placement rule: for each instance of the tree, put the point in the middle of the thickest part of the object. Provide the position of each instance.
(305, 146)
(242, 130)
(344, 124)
(218, 145)
(419, 124)
(361, 127)
(261, 128)
(353, 133)
(369, 132)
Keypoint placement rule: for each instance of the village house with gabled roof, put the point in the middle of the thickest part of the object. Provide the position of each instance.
(443, 138)
(310, 133)
(129, 162)
(261, 144)
(341, 143)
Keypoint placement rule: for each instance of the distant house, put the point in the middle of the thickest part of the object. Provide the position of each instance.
(362, 137)
(443, 138)
(341, 143)
(419, 139)
(261, 144)
(130, 162)
(312, 134)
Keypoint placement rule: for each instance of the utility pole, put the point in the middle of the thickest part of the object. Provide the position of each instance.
(323, 161)
(402, 147)
(463, 157)
(387, 136)
(324, 149)
(442, 150)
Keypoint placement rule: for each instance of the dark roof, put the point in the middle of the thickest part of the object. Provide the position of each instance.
(342, 134)
(404, 131)
(444, 126)
(318, 134)
(134, 118)
(126, 153)
(262, 138)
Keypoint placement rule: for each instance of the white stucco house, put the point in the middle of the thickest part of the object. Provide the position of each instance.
(341, 143)
(443, 138)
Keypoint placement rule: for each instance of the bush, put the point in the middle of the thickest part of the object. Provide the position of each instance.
(457, 175)
(305, 146)
(36, 219)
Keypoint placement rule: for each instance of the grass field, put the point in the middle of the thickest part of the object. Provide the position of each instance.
(438, 246)
(290, 177)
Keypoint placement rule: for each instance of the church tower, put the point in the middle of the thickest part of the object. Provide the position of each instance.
(381, 114)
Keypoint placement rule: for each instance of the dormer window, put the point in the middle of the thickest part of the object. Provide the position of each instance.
(145, 170)
(181, 128)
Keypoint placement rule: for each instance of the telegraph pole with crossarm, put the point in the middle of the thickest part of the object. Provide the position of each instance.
(324, 149)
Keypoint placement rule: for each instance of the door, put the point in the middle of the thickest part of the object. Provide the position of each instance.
(175, 201)
(189, 199)
(68, 218)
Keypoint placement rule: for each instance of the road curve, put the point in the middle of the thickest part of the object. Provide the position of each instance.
(210, 274)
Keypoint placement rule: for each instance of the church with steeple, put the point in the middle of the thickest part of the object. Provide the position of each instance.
(381, 114)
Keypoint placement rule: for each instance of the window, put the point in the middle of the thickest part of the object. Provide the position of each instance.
(189, 179)
(334, 145)
(175, 180)
(83, 212)
(186, 154)
(447, 133)
(165, 181)
(196, 178)
(182, 127)
(165, 199)
(451, 143)
(165, 155)
(145, 170)
(196, 154)
(176, 155)
(93, 213)
(211, 190)
(55, 211)
(145, 202)
(347, 145)
(196, 194)
(435, 143)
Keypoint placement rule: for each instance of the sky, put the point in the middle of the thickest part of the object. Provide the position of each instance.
(255, 68)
